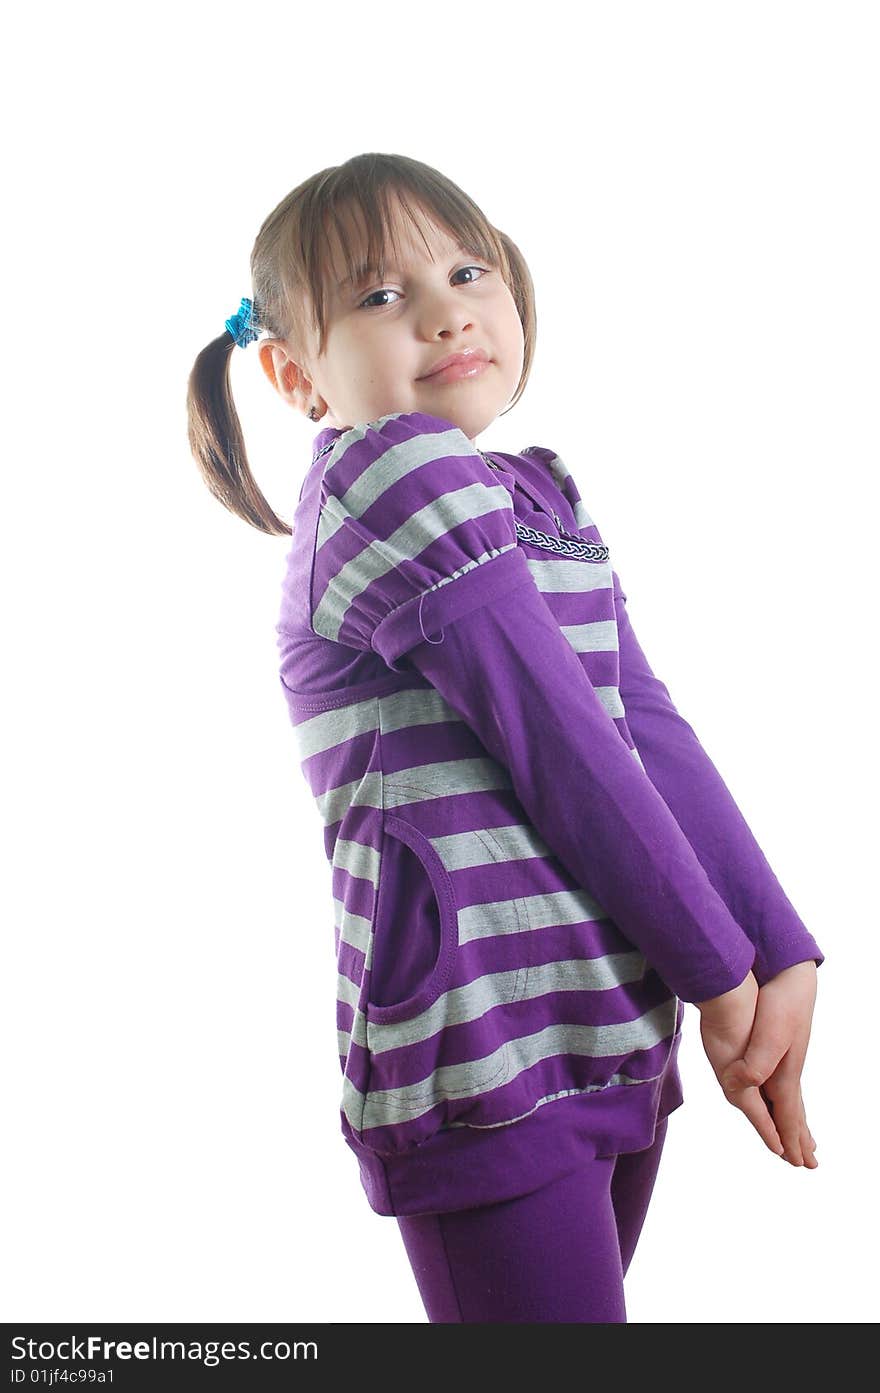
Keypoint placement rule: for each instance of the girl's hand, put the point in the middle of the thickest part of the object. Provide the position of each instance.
(772, 1062)
(726, 1023)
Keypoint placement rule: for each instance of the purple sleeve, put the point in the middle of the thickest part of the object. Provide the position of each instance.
(417, 559)
(693, 790)
(512, 675)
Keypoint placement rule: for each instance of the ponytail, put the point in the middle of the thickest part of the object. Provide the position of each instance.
(217, 442)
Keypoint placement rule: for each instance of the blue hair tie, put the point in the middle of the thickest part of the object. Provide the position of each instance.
(240, 325)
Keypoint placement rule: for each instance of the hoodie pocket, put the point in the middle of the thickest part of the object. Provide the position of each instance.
(415, 927)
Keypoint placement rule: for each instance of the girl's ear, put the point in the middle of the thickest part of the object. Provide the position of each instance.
(271, 359)
(285, 375)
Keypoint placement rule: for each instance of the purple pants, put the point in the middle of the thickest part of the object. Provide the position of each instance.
(557, 1254)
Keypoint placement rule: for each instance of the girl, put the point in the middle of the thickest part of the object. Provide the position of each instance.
(534, 862)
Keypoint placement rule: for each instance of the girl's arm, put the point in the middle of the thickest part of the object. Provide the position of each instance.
(417, 559)
(510, 672)
(695, 793)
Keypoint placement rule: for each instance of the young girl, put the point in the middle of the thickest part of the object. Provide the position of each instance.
(534, 862)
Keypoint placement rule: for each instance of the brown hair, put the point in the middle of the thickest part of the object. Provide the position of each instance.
(289, 269)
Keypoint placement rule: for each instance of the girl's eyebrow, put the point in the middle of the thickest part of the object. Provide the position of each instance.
(363, 273)
(360, 274)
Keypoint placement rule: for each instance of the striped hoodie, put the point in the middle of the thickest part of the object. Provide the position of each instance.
(523, 897)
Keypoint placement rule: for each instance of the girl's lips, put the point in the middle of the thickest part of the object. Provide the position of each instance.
(456, 371)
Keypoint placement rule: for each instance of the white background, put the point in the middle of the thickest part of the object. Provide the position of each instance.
(694, 187)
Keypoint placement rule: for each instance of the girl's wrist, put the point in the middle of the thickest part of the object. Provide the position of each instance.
(717, 1005)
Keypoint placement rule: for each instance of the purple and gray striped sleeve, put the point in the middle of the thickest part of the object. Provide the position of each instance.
(417, 559)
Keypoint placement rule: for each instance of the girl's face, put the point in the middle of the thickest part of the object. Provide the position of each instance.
(384, 338)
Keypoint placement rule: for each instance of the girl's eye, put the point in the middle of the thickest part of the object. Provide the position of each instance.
(385, 291)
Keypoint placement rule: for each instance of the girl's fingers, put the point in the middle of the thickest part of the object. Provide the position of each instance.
(750, 1101)
(800, 1154)
(794, 1132)
(782, 1093)
(808, 1146)
(788, 1118)
(786, 1107)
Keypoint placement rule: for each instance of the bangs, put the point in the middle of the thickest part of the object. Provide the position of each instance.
(358, 238)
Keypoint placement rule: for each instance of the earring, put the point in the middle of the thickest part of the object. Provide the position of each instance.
(313, 415)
